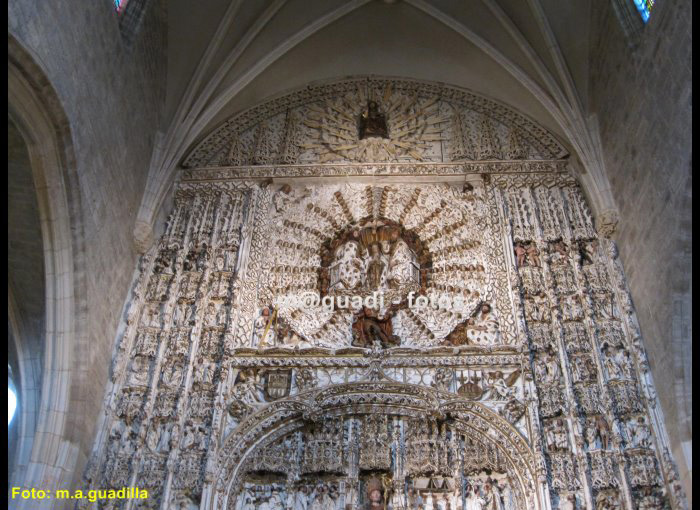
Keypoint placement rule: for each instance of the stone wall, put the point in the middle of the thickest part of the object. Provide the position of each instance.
(112, 95)
(640, 90)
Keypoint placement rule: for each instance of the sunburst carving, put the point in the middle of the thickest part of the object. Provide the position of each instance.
(413, 125)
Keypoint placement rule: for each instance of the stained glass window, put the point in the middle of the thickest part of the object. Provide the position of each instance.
(120, 5)
(644, 7)
(11, 399)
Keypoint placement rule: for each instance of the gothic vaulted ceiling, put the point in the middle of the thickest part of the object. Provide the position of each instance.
(227, 56)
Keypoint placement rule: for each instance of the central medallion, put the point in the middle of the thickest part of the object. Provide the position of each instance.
(381, 263)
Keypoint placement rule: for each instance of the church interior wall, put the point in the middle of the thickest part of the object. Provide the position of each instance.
(125, 418)
(642, 98)
(112, 96)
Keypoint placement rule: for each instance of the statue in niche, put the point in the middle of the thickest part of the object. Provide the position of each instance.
(520, 254)
(140, 367)
(648, 500)
(623, 361)
(402, 266)
(474, 500)
(492, 497)
(559, 253)
(368, 328)
(301, 499)
(183, 315)
(556, 435)
(513, 410)
(204, 371)
(567, 502)
(533, 254)
(164, 439)
(172, 374)
(373, 122)
(152, 438)
(376, 493)
(377, 268)
(607, 501)
(638, 433)
(526, 254)
(547, 368)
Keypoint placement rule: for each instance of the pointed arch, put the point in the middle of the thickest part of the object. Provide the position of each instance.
(48, 454)
(472, 419)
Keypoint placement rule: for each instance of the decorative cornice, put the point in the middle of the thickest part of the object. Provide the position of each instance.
(225, 173)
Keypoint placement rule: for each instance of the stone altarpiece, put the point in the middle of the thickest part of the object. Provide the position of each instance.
(234, 387)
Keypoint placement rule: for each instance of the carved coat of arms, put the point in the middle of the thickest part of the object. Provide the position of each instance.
(277, 384)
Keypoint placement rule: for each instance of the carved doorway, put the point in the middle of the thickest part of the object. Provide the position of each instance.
(377, 446)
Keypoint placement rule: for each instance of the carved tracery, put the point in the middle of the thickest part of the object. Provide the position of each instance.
(534, 394)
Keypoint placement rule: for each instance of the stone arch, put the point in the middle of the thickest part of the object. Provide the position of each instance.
(47, 452)
(472, 419)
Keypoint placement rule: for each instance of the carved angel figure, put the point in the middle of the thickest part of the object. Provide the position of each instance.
(246, 396)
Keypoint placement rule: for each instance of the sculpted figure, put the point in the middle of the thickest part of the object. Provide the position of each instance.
(377, 268)
(623, 361)
(188, 438)
(559, 252)
(497, 387)
(172, 374)
(263, 331)
(639, 433)
(474, 501)
(401, 266)
(152, 439)
(374, 495)
(607, 501)
(373, 122)
(587, 252)
(492, 499)
(567, 502)
(483, 329)
(247, 395)
(649, 500)
(533, 255)
(520, 254)
(610, 362)
(547, 368)
(301, 499)
(164, 440)
(368, 328)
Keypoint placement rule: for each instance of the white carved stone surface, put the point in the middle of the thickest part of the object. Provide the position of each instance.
(535, 395)
(424, 122)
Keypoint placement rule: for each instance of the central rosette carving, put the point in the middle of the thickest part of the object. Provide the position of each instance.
(355, 265)
(371, 269)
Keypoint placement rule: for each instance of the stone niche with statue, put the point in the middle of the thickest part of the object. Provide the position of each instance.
(431, 322)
